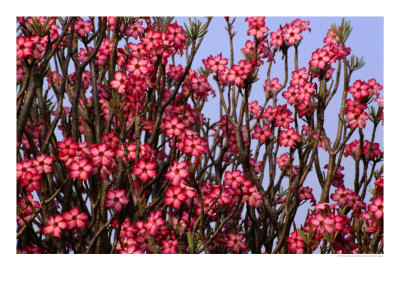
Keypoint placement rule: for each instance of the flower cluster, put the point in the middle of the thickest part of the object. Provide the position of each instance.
(29, 171)
(67, 220)
(290, 34)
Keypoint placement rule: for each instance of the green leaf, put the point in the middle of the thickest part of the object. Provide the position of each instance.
(355, 63)
(344, 33)
(303, 236)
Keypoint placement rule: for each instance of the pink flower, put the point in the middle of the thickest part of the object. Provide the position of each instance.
(24, 47)
(174, 72)
(257, 31)
(295, 243)
(282, 160)
(173, 126)
(299, 77)
(292, 35)
(176, 35)
(174, 196)
(151, 40)
(43, 163)
(169, 247)
(74, 218)
(254, 108)
(354, 201)
(377, 208)
(80, 169)
(283, 119)
(323, 224)
(257, 27)
(54, 226)
(116, 199)
(356, 120)
(371, 225)
(288, 138)
(359, 90)
(135, 30)
(83, 27)
(274, 83)
(154, 222)
(305, 193)
(144, 170)
(137, 67)
(374, 87)
(233, 179)
(331, 37)
(235, 242)
(379, 101)
(254, 197)
(261, 134)
(24, 167)
(101, 154)
(277, 38)
(216, 63)
(194, 146)
(119, 83)
(340, 195)
(319, 59)
(31, 181)
(269, 113)
(177, 173)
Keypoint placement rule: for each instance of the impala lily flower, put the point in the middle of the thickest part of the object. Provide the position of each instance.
(144, 170)
(177, 173)
(296, 243)
(116, 200)
(174, 196)
(377, 208)
(74, 218)
(120, 82)
(80, 169)
(55, 225)
(288, 138)
(235, 242)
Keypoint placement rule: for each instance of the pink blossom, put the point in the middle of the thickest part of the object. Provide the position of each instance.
(144, 170)
(292, 35)
(173, 126)
(74, 218)
(235, 242)
(295, 243)
(261, 133)
(55, 224)
(80, 169)
(154, 222)
(323, 224)
(177, 173)
(83, 27)
(169, 247)
(174, 196)
(359, 90)
(377, 207)
(43, 163)
(120, 82)
(116, 199)
(274, 83)
(288, 138)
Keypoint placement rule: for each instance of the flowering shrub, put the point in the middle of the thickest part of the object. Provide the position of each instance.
(116, 154)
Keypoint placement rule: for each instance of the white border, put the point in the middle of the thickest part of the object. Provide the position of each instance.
(186, 276)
